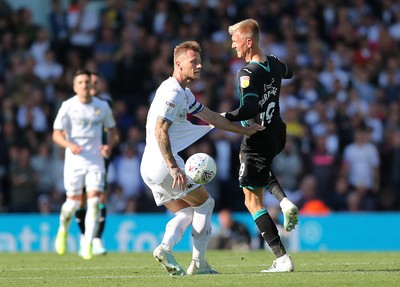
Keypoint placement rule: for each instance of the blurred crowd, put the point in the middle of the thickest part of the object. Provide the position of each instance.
(342, 108)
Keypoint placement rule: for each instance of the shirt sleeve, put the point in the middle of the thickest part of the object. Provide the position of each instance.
(170, 106)
(249, 99)
(287, 73)
(194, 106)
(109, 120)
(61, 120)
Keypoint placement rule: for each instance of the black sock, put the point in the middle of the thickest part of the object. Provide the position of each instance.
(270, 234)
(80, 219)
(275, 188)
(102, 221)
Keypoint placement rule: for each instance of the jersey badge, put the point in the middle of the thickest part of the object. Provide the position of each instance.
(97, 111)
(244, 81)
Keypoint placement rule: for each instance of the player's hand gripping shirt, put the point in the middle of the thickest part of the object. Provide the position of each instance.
(83, 125)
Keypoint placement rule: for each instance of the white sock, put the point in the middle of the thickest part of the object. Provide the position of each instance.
(201, 231)
(67, 212)
(92, 214)
(176, 227)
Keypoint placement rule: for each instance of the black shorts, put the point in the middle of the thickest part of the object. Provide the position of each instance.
(256, 155)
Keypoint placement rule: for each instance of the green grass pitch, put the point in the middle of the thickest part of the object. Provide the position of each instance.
(336, 269)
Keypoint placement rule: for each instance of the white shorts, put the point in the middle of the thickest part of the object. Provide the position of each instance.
(156, 175)
(76, 180)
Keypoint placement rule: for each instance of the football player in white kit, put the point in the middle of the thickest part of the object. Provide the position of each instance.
(78, 128)
(167, 132)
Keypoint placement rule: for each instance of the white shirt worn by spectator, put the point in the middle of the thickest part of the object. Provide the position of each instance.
(362, 160)
(86, 33)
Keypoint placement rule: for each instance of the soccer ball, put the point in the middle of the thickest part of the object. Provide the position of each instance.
(200, 168)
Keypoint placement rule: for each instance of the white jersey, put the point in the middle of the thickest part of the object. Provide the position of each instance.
(172, 103)
(84, 124)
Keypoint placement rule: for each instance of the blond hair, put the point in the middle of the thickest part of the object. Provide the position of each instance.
(248, 29)
(184, 47)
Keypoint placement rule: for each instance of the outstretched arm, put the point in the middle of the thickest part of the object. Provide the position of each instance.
(221, 122)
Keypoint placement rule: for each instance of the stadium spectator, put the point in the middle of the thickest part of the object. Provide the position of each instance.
(58, 30)
(360, 166)
(231, 234)
(288, 165)
(124, 172)
(82, 28)
(23, 180)
(310, 202)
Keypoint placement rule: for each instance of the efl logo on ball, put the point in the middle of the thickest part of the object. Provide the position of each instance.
(200, 168)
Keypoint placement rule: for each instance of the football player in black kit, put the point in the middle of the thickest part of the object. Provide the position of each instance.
(259, 88)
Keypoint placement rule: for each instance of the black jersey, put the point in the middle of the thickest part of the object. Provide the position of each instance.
(262, 81)
(259, 88)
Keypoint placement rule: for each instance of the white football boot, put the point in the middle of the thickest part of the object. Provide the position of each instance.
(98, 248)
(168, 261)
(281, 264)
(196, 268)
(290, 214)
(81, 243)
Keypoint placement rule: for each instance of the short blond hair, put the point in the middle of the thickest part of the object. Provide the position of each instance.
(248, 28)
(184, 47)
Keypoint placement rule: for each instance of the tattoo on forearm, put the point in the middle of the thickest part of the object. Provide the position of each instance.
(165, 148)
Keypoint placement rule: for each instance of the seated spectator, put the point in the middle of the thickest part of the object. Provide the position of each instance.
(232, 234)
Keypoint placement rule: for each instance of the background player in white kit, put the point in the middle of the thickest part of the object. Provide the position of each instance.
(78, 128)
(167, 132)
(97, 244)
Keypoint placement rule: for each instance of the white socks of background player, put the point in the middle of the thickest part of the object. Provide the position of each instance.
(67, 212)
(201, 231)
(92, 214)
(176, 227)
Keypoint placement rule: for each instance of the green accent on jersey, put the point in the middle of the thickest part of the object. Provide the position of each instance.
(259, 213)
(262, 66)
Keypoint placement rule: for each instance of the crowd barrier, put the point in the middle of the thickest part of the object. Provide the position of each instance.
(143, 232)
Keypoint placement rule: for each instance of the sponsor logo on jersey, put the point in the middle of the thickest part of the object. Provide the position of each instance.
(244, 81)
(172, 105)
(97, 111)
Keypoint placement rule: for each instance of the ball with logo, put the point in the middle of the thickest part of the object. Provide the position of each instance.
(200, 168)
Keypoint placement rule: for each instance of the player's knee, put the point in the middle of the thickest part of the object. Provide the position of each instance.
(71, 205)
(209, 203)
(186, 214)
(93, 203)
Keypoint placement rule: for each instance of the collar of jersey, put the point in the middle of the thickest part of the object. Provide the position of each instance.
(264, 67)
